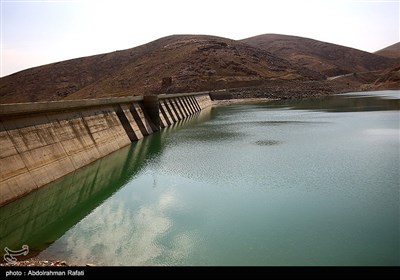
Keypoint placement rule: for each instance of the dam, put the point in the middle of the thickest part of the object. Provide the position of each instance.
(42, 142)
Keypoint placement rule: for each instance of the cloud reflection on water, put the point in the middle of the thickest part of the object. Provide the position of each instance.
(114, 235)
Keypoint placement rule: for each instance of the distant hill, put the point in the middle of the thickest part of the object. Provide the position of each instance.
(280, 66)
(195, 63)
(58, 80)
(326, 58)
(393, 51)
(188, 62)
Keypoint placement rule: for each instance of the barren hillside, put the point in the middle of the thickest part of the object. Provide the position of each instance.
(393, 51)
(184, 62)
(187, 63)
(326, 58)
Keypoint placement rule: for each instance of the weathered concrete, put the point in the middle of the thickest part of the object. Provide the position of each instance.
(151, 106)
(41, 142)
(46, 146)
(22, 108)
(175, 107)
(171, 110)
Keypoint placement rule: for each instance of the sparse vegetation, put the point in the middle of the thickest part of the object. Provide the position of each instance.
(271, 63)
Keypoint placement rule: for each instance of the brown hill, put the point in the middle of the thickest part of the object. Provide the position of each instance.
(58, 80)
(184, 62)
(390, 79)
(393, 51)
(326, 58)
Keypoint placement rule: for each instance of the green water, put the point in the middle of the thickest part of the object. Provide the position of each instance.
(310, 182)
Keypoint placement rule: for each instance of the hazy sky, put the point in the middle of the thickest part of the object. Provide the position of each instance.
(40, 32)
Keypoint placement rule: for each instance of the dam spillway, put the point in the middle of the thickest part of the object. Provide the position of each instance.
(42, 142)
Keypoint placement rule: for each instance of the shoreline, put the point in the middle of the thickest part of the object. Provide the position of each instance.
(39, 263)
(34, 262)
(242, 101)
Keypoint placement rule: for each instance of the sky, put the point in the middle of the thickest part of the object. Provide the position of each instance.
(35, 32)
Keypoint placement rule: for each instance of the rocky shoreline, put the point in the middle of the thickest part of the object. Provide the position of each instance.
(33, 262)
(290, 90)
(241, 101)
(38, 263)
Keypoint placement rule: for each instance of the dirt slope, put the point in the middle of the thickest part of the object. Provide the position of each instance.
(326, 58)
(184, 62)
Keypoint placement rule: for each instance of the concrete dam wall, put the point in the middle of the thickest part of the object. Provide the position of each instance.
(42, 142)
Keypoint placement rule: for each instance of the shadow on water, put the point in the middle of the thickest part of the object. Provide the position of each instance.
(341, 103)
(43, 216)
